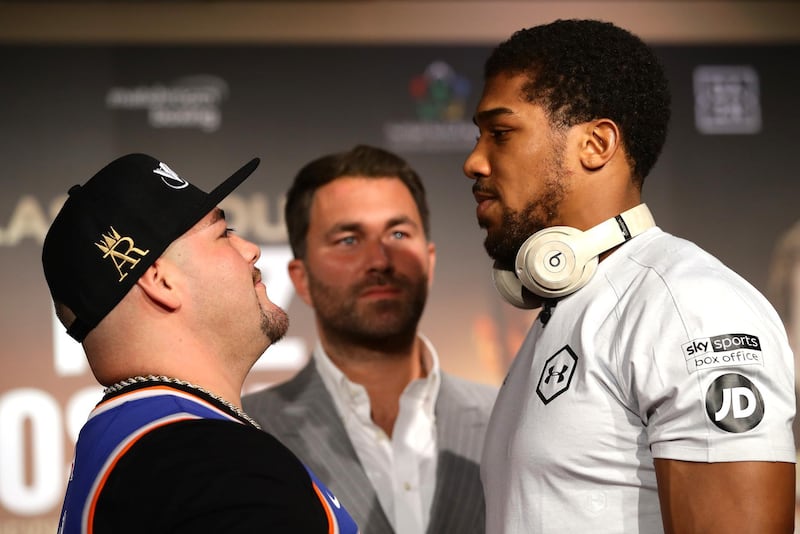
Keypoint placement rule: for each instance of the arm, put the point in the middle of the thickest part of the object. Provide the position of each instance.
(741, 497)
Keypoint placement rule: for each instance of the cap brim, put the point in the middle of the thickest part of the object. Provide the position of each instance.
(225, 188)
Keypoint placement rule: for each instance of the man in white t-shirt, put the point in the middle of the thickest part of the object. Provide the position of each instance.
(655, 392)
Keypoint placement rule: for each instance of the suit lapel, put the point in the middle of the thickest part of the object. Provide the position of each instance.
(460, 429)
(311, 427)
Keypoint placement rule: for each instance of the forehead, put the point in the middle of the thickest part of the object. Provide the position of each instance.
(504, 91)
(358, 198)
(208, 219)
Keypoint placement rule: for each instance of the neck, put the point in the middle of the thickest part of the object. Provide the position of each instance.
(384, 376)
(234, 408)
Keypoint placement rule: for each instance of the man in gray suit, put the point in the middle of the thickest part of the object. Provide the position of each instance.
(372, 414)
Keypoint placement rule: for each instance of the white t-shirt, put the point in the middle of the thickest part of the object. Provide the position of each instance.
(666, 353)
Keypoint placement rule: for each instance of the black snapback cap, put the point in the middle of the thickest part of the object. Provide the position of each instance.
(112, 228)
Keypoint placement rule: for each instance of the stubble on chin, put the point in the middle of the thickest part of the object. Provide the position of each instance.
(274, 324)
(504, 241)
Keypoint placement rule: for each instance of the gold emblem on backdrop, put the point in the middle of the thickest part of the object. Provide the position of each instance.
(112, 246)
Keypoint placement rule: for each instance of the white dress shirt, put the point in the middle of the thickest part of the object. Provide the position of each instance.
(402, 468)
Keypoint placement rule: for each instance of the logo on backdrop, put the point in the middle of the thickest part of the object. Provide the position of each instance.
(440, 96)
(189, 102)
(727, 100)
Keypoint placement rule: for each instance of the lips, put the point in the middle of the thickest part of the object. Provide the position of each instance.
(484, 201)
(483, 196)
(381, 291)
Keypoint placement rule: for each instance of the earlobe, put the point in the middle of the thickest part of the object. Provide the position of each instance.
(600, 143)
(157, 285)
(299, 276)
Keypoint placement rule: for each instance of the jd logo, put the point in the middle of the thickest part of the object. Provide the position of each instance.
(734, 404)
(557, 374)
(113, 247)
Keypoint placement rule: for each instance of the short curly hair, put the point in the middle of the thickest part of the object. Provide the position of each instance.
(580, 70)
(363, 161)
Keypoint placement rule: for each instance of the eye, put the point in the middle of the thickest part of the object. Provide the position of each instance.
(498, 134)
(347, 240)
(228, 232)
(399, 234)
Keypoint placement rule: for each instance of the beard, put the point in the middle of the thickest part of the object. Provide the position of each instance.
(274, 323)
(503, 243)
(384, 325)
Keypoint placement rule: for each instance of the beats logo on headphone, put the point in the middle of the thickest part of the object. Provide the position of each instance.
(560, 260)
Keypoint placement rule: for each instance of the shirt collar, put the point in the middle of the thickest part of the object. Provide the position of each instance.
(348, 395)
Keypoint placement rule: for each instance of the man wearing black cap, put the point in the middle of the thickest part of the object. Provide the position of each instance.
(172, 315)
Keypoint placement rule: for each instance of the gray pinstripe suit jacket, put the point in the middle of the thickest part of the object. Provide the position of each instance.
(302, 415)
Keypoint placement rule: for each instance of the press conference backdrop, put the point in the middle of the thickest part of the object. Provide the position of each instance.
(727, 179)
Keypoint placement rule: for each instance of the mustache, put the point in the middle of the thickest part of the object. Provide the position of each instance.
(481, 188)
(382, 280)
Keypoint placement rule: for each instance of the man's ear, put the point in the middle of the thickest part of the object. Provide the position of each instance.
(157, 283)
(299, 276)
(599, 143)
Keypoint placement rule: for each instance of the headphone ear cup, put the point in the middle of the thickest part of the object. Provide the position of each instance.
(512, 290)
(554, 262)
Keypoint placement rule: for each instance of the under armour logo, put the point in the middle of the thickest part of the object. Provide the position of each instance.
(557, 374)
(551, 372)
(122, 259)
(170, 177)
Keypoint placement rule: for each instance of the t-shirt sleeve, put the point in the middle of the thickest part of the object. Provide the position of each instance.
(711, 371)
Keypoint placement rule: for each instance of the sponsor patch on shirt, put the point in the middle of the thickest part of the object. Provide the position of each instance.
(726, 350)
(734, 403)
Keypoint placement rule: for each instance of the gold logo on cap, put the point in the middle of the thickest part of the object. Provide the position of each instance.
(122, 260)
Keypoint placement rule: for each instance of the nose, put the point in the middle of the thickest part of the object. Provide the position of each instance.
(377, 256)
(476, 165)
(249, 250)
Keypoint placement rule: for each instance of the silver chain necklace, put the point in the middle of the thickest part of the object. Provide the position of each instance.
(169, 380)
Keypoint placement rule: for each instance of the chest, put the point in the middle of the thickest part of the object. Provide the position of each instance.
(564, 391)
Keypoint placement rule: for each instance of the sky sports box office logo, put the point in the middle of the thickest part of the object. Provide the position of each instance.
(722, 351)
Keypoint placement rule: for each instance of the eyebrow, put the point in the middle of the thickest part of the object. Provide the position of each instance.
(487, 114)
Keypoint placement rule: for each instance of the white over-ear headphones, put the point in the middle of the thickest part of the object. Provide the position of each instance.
(560, 260)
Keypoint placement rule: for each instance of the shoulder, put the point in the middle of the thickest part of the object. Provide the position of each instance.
(286, 408)
(305, 382)
(212, 442)
(676, 261)
(225, 472)
(467, 393)
(676, 273)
